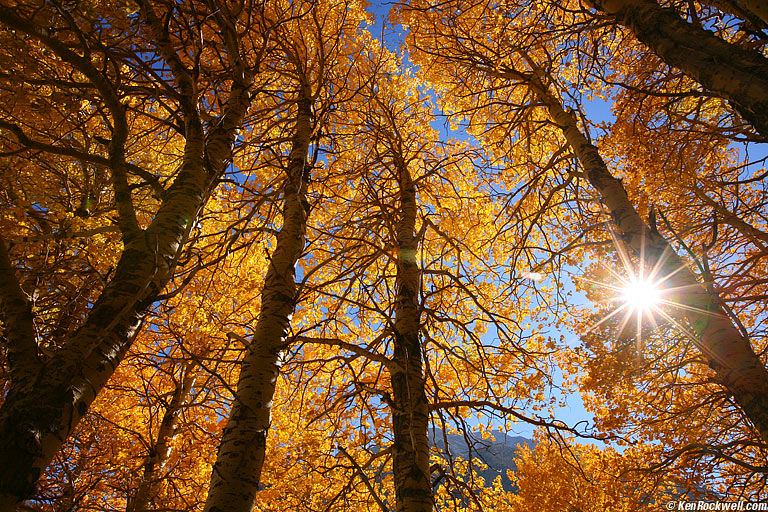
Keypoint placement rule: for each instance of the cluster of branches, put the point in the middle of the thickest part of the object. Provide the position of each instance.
(240, 267)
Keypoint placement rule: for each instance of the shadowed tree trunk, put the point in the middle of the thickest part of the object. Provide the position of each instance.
(235, 476)
(46, 400)
(727, 70)
(408, 401)
(758, 8)
(726, 350)
(410, 411)
(754, 11)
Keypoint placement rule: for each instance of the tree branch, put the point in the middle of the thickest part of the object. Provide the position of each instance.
(127, 221)
(557, 425)
(101, 161)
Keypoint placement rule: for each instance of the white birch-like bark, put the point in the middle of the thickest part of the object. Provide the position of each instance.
(726, 350)
(726, 70)
(410, 411)
(35, 420)
(237, 471)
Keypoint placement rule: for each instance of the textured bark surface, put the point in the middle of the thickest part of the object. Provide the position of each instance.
(727, 352)
(235, 476)
(410, 411)
(754, 11)
(757, 7)
(727, 70)
(16, 313)
(38, 417)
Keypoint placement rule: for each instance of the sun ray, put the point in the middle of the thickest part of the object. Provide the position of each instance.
(615, 312)
(695, 339)
(686, 307)
(647, 294)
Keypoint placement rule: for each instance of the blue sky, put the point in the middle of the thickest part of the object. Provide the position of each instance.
(573, 411)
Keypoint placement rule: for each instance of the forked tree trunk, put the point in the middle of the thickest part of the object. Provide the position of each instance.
(44, 405)
(726, 350)
(727, 70)
(410, 411)
(235, 476)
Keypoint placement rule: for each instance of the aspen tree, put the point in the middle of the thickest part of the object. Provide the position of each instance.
(48, 396)
(736, 74)
(313, 45)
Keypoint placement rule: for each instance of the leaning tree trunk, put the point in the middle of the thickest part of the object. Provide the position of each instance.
(46, 401)
(726, 350)
(727, 70)
(410, 411)
(160, 451)
(753, 11)
(235, 476)
(757, 7)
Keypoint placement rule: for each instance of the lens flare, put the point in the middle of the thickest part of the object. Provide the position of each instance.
(641, 295)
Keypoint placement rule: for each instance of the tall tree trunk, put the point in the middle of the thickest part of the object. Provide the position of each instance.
(726, 350)
(410, 411)
(37, 418)
(236, 474)
(160, 451)
(727, 70)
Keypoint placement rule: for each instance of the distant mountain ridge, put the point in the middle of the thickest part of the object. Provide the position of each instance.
(499, 454)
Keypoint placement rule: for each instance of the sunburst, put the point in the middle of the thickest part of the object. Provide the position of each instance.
(643, 297)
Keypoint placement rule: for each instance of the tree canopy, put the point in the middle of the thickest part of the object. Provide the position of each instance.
(280, 254)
